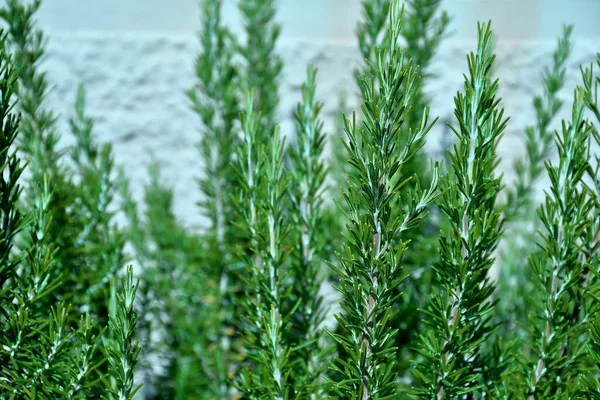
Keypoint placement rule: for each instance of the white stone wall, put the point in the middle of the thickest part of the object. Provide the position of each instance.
(135, 58)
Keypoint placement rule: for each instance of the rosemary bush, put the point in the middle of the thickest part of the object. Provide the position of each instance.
(237, 310)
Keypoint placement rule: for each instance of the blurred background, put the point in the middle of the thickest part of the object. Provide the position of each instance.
(136, 59)
(320, 20)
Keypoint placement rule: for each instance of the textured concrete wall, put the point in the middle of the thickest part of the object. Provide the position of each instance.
(135, 58)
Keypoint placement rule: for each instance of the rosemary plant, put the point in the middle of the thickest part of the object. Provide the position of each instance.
(55, 309)
(43, 353)
(27, 43)
(370, 267)
(88, 246)
(169, 293)
(123, 349)
(566, 271)
(237, 310)
(261, 206)
(521, 203)
(423, 29)
(589, 304)
(215, 100)
(38, 141)
(307, 232)
(458, 316)
(262, 65)
(10, 188)
(556, 330)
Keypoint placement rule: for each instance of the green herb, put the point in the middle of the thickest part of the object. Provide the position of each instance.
(556, 331)
(307, 232)
(371, 264)
(261, 208)
(457, 316)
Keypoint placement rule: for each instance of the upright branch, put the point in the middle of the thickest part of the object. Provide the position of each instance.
(123, 350)
(424, 28)
(262, 208)
(539, 138)
(13, 327)
(38, 138)
(12, 168)
(371, 32)
(370, 268)
(27, 43)
(515, 282)
(262, 65)
(306, 197)
(555, 333)
(587, 307)
(36, 344)
(215, 99)
(458, 316)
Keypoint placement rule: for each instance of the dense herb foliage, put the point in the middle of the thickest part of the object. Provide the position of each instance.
(370, 263)
(62, 252)
(238, 309)
(308, 238)
(458, 315)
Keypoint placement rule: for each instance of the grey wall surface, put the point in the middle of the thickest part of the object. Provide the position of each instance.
(136, 56)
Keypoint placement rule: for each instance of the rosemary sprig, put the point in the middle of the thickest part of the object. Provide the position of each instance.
(370, 268)
(587, 307)
(215, 100)
(10, 188)
(263, 66)
(262, 206)
(306, 198)
(458, 316)
(123, 350)
(555, 337)
(539, 138)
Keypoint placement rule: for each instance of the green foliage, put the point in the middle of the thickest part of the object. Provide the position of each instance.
(423, 28)
(88, 245)
(556, 330)
(123, 349)
(215, 100)
(307, 232)
(458, 315)
(589, 304)
(262, 65)
(170, 294)
(10, 188)
(44, 353)
(27, 43)
(261, 208)
(57, 271)
(38, 141)
(370, 266)
(237, 309)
